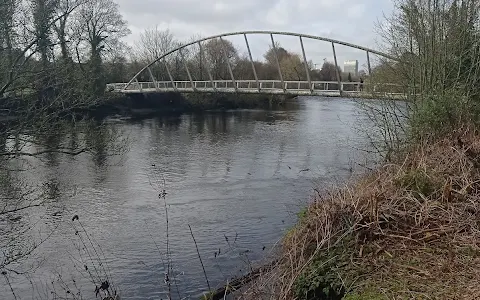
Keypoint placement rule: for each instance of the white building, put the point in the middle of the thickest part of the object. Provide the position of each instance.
(351, 66)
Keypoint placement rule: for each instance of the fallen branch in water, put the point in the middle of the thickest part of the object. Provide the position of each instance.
(238, 283)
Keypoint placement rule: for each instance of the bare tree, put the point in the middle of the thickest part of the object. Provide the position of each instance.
(28, 46)
(63, 29)
(244, 69)
(7, 25)
(101, 27)
(43, 13)
(279, 51)
(328, 72)
(218, 54)
(291, 65)
(13, 48)
(154, 43)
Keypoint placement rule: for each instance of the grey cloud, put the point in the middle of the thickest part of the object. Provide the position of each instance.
(349, 20)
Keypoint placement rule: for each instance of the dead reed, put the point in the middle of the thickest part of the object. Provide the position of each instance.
(409, 230)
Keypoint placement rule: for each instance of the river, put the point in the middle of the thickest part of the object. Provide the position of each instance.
(238, 178)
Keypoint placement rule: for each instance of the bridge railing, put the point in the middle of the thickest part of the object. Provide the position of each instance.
(260, 86)
(239, 84)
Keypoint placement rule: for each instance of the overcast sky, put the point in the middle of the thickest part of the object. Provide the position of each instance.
(348, 20)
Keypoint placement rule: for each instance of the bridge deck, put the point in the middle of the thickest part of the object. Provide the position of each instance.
(271, 87)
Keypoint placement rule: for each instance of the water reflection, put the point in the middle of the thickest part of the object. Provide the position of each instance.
(237, 177)
(97, 142)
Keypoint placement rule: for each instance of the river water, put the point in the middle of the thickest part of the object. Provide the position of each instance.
(238, 178)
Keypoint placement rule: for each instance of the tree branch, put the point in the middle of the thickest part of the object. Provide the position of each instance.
(25, 50)
(60, 151)
(4, 212)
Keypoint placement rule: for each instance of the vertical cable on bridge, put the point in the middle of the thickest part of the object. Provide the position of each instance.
(170, 75)
(278, 62)
(200, 54)
(153, 78)
(210, 77)
(174, 86)
(228, 64)
(368, 62)
(339, 80)
(139, 85)
(370, 72)
(306, 66)
(251, 61)
(188, 71)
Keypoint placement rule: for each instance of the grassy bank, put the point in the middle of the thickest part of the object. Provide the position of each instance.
(409, 230)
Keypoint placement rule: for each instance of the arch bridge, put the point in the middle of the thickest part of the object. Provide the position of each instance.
(147, 79)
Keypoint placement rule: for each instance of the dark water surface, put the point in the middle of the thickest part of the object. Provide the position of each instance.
(238, 178)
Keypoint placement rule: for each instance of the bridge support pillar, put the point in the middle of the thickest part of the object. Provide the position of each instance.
(372, 82)
(274, 47)
(306, 67)
(339, 79)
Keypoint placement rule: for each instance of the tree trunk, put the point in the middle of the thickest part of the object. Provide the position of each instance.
(61, 37)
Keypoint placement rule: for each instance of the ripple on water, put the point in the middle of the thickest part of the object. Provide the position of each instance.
(237, 175)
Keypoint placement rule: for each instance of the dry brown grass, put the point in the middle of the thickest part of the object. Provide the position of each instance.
(409, 230)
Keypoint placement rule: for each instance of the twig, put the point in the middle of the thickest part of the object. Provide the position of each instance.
(72, 153)
(238, 283)
(10, 285)
(169, 265)
(3, 212)
(226, 290)
(199, 257)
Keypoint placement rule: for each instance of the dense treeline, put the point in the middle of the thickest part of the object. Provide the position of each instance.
(52, 48)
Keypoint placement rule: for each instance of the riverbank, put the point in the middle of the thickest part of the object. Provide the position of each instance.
(144, 105)
(409, 229)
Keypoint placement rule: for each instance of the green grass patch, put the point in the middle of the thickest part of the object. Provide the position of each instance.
(418, 182)
(328, 275)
